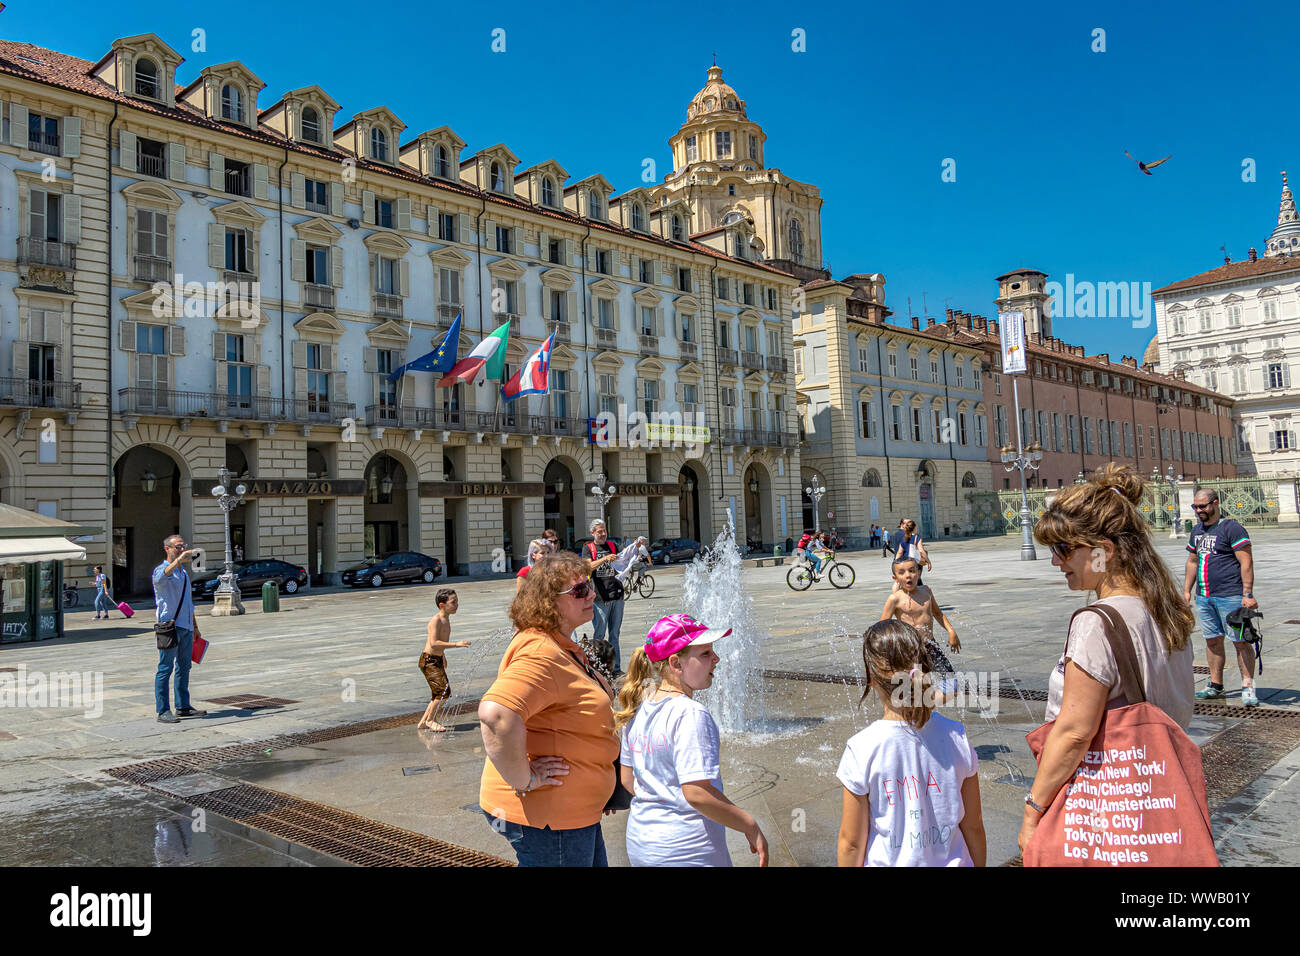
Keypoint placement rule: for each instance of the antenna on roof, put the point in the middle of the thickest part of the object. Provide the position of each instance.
(1227, 260)
(909, 306)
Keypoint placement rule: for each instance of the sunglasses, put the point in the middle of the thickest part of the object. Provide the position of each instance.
(1201, 507)
(582, 590)
(1063, 550)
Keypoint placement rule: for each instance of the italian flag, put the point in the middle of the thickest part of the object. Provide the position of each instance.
(490, 354)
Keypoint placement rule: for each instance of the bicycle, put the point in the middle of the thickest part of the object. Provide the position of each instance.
(801, 576)
(70, 597)
(641, 581)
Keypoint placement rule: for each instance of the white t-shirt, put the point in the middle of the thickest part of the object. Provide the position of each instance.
(1167, 678)
(670, 742)
(912, 779)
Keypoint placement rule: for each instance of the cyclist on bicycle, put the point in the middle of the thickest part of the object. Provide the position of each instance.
(634, 559)
(801, 549)
(821, 551)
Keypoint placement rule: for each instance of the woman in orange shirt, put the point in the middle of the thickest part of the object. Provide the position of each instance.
(548, 726)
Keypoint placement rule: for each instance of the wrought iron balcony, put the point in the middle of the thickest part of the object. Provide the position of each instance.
(561, 331)
(649, 344)
(46, 252)
(514, 320)
(728, 357)
(33, 393)
(318, 296)
(752, 360)
(606, 339)
(461, 420)
(731, 435)
(447, 312)
(689, 350)
(237, 182)
(42, 142)
(215, 405)
(147, 165)
(153, 269)
(387, 306)
(778, 363)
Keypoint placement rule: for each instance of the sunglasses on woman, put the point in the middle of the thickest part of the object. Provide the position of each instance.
(582, 590)
(1063, 550)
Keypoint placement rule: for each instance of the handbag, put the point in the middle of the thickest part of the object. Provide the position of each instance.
(1138, 796)
(620, 799)
(608, 587)
(166, 631)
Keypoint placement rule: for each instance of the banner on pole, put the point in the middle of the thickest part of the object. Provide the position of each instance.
(1011, 331)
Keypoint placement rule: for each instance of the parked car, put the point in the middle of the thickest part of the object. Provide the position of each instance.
(250, 575)
(668, 550)
(393, 568)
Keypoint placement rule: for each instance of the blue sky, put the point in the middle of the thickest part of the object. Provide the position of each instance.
(1036, 122)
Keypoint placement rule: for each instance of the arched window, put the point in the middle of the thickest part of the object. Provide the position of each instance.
(441, 164)
(796, 241)
(678, 233)
(548, 191)
(593, 205)
(871, 479)
(146, 78)
(968, 480)
(232, 104)
(638, 217)
(310, 124)
(498, 179)
(378, 145)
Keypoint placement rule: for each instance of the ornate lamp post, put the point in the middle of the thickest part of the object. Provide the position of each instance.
(1026, 460)
(1171, 480)
(226, 602)
(815, 491)
(603, 492)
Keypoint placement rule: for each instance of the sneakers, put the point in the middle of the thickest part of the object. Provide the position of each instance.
(167, 717)
(1248, 698)
(190, 712)
(1210, 693)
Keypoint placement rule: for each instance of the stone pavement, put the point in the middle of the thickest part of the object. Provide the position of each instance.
(335, 658)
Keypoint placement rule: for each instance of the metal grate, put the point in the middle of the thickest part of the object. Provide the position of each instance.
(250, 701)
(1200, 669)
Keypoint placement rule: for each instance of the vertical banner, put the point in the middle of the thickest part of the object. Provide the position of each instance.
(784, 527)
(1011, 331)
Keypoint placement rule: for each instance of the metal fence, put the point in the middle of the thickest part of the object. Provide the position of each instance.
(1251, 501)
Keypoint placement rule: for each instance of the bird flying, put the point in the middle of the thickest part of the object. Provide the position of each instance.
(1146, 167)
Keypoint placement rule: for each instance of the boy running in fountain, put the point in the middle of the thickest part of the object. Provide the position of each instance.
(432, 662)
(914, 603)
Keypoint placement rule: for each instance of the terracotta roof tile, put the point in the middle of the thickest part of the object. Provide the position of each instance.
(1236, 270)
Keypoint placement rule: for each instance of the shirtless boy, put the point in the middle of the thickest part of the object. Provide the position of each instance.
(432, 662)
(915, 604)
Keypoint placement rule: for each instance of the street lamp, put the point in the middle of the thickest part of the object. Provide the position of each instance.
(226, 602)
(1169, 478)
(815, 492)
(603, 492)
(1026, 460)
(1081, 480)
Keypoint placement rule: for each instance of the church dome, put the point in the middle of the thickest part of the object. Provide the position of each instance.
(716, 97)
(1152, 355)
(1286, 237)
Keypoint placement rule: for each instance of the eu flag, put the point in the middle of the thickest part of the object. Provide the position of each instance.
(440, 360)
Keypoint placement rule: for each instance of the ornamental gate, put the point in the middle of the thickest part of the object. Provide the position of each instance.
(999, 512)
(1251, 501)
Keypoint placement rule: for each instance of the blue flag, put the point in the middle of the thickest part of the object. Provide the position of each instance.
(440, 360)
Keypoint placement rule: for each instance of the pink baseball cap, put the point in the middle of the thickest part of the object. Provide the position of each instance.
(675, 633)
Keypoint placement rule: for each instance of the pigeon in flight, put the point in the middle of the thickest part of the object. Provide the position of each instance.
(1145, 167)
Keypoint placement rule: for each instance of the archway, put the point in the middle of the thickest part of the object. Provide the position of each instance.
(389, 497)
(694, 503)
(558, 507)
(758, 507)
(925, 474)
(152, 499)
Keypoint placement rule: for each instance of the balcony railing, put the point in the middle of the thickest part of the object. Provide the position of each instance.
(606, 339)
(689, 350)
(447, 313)
(32, 393)
(183, 404)
(778, 363)
(387, 306)
(728, 357)
(461, 420)
(514, 320)
(237, 182)
(152, 269)
(561, 331)
(318, 296)
(649, 344)
(147, 165)
(242, 292)
(46, 252)
(731, 435)
(43, 142)
(752, 360)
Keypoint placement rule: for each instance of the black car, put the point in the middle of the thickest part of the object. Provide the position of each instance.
(250, 575)
(400, 566)
(668, 550)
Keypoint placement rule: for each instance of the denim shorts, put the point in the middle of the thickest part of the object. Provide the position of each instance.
(1213, 613)
(542, 846)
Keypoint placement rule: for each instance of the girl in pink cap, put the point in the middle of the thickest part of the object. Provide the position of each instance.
(669, 759)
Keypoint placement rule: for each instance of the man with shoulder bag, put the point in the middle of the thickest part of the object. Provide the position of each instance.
(607, 621)
(176, 630)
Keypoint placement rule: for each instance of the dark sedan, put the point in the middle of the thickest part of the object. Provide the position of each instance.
(668, 550)
(395, 568)
(250, 575)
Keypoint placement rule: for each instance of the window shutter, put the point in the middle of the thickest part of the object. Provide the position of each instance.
(176, 340)
(570, 255)
(431, 220)
(543, 247)
(126, 149)
(591, 259)
(176, 161)
(216, 171)
(260, 176)
(659, 321)
(298, 260)
(216, 245)
(58, 363)
(326, 357)
(300, 384)
(336, 265)
(263, 385)
(298, 191)
(2, 113)
(1286, 375)
(72, 136)
(126, 336)
(338, 387)
(462, 227)
(613, 262)
(403, 214)
(299, 355)
(336, 199)
(516, 241)
(21, 370)
(18, 124)
(616, 326)
(367, 207)
(72, 219)
(489, 235)
(404, 277)
(370, 361)
(219, 346)
(374, 272)
(223, 376)
(1272, 440)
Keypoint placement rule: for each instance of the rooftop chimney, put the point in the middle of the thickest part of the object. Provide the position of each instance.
(1253, 254)
(916, 323)
(1104, 356)
(949, 315)
(970, 321)
(929, 321)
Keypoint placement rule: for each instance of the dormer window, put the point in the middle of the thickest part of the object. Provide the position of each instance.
(593, 206)
(378, 145)
(692, 149)
(638, 217)
(441, 164)
(146, 79)
(498, 179)
(232, 104)
(310, 124)
(678, 232)
(548, 191)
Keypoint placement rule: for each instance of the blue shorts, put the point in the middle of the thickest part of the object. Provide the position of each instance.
(1213, 613)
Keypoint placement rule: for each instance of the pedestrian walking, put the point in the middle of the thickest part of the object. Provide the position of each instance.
(608, 616)
(669, 753)
(176, 629)
(1220, 578)
(103, 595)
(433, 663)
(911, 781)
